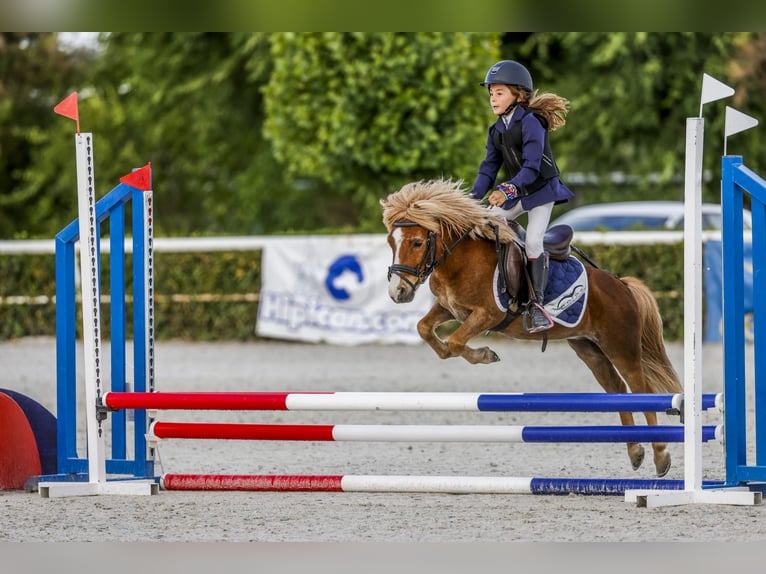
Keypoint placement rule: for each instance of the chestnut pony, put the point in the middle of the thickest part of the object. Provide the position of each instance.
(436, 231)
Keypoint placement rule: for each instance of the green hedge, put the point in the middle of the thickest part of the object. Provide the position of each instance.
(213, 296)
(32, 276)
(660, 266)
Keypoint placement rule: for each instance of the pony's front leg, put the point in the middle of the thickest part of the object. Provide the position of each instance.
(427, 329)
(476, 323)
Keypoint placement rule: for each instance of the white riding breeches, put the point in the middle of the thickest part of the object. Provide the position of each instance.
(537, 224)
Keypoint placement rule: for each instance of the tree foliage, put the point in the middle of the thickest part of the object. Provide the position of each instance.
(364, 113)
(275, 132)
(190, 104)
(32, 71)
(630, 96)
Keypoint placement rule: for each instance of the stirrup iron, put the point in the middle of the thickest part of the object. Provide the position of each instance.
(529, 327)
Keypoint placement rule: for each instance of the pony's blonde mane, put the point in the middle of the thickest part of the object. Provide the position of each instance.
(442, 206)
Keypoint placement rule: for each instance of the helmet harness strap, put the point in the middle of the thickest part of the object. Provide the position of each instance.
(512, 107)
(509, 109)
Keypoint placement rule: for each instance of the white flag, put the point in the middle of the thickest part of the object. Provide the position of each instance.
(737, 122)
(713, 89)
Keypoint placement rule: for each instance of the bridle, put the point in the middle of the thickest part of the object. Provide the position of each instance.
(428, 263)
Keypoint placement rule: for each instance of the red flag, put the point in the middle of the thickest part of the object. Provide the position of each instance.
(140, 178)
(68, 108)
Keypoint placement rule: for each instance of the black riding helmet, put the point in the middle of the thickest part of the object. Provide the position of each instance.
(509, 73)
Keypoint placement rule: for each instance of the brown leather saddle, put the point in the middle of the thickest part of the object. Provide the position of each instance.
(512, 261)
(557, 241)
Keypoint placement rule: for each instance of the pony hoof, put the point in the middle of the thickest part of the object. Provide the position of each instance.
(662, 464)
(637, 457)
(482, 356)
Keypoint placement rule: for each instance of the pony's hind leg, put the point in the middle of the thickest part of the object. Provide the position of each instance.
(628, 369)
(610, 380)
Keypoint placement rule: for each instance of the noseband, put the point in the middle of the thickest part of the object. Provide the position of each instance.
(428, 263)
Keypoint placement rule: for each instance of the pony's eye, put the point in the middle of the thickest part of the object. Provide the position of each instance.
(417, 243)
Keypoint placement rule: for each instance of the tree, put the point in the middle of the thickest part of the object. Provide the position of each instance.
(363, 113)
(279, 132)
(33, 72)
(630, 94)
(188, 103)
(747, 72)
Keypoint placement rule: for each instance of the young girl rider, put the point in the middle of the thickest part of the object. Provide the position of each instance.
(519, 142)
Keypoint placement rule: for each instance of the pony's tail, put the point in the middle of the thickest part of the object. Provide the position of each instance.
(658, 370)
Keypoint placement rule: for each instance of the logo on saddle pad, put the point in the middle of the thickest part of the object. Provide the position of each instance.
(565, 294)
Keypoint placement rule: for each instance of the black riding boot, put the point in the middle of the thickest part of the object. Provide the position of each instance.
(537, 318)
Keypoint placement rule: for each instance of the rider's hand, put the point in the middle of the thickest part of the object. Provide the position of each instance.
(503, 193)
(497, 198)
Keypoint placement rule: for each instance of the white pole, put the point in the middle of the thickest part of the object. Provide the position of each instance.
(148, 210)
(695, 130)
(91, 317)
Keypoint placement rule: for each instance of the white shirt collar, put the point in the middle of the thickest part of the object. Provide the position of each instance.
(507, 119)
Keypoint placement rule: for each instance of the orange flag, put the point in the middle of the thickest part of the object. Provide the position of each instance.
(140, 178)
(68, 108)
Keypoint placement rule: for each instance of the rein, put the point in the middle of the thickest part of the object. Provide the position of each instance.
(428, 263)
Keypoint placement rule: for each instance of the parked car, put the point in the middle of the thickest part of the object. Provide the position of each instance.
(640, 215)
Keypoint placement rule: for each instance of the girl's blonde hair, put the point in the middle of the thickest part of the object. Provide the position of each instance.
(552, 107)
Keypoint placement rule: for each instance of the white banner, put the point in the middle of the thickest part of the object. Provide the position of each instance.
(334, 289)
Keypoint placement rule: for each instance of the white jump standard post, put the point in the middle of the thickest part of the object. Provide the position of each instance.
(93, 360)
(693, 493)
